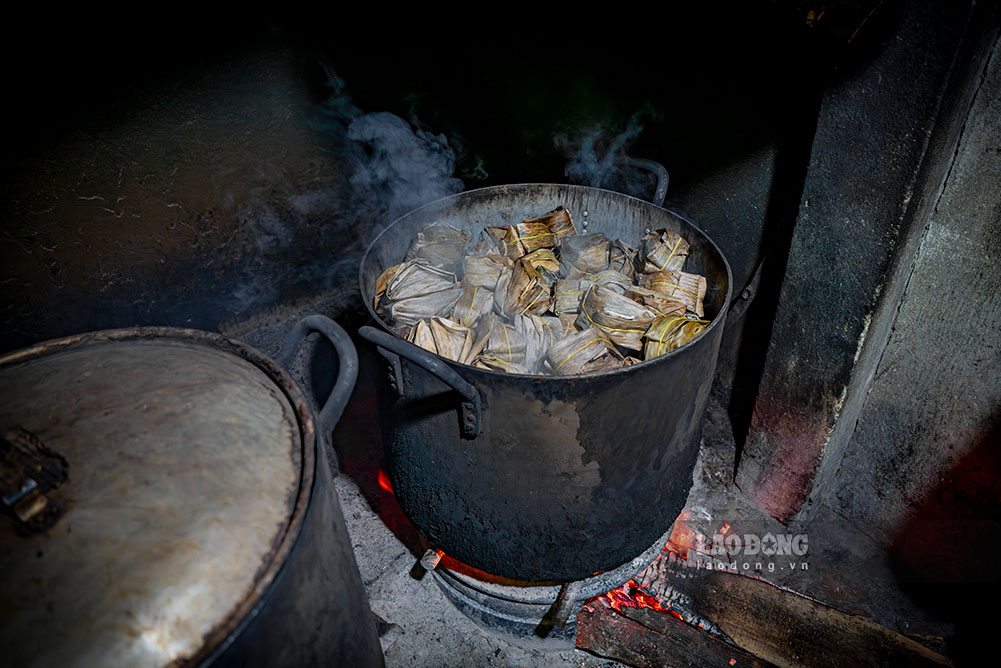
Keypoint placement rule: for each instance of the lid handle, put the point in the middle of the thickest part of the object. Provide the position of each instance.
(29, 472)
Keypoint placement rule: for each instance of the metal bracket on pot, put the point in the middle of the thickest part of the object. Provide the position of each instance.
(472, 406)
(395, 369)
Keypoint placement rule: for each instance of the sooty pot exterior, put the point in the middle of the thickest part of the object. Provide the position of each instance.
(543, 478)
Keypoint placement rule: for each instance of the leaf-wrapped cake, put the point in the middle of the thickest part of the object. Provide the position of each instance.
(536, 297)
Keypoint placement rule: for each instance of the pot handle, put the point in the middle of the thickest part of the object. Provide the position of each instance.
(472, 407)
(663, 178)
(347, 362)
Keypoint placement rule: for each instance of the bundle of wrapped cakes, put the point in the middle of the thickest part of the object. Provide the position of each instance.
(539, 298)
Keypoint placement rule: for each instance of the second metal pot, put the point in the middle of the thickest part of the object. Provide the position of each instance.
(168, 506)
(543, 478)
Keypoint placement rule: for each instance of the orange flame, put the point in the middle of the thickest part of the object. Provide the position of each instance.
(384, 481)
(683, 538)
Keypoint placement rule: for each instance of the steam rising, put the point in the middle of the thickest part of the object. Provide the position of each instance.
(380, 167)
(597, 156)
(398, 169)
(386, 167)
(394, 167)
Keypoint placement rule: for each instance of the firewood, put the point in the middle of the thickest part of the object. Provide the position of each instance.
(781, 626)
(652, 639)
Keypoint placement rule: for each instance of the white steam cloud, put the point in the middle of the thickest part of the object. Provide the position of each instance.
(395, 167)
(598, 157)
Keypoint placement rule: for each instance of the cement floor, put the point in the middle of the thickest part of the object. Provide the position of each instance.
(427, 630)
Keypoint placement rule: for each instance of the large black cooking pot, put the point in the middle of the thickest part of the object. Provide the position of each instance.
(545, 478)
(167, 505)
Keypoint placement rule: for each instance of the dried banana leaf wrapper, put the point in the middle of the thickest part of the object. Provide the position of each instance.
(540, 333)
(453, 341)
(496, 234)
(608, 278)
(663, 250)
(485, 244)
(687, 288)
(611, 360)
(622, 258)
(382, 283)
(500, 294)
(481, 336)
(528, 293)
(440, 244)
(409, 311)
(583, 254)
(620, 318)
(499, 364)
(420, 335)
(569, 322)
(523, 238)
(573, 353)
(567, 295)
(485, 270)
(544, 262)
(502, 341)
(559, 221)
(417, 277)
(474, 303)
(667, 334)
(443, 337)
(660, 303)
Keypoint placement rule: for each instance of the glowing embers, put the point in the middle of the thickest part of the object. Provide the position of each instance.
(683, 537)
(631, 595)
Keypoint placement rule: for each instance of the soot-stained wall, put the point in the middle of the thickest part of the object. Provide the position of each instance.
(184, 199)
(190, 175)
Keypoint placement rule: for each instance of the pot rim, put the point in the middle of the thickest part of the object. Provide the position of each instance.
(716, 322)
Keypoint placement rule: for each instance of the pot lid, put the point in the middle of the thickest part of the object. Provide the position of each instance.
(151, 484)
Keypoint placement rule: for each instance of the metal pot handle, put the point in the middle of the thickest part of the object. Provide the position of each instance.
(347, 361)
(663, 178)
(472, 406)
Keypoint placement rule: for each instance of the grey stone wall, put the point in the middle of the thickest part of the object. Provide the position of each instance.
(933, 410)
(882, 147)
